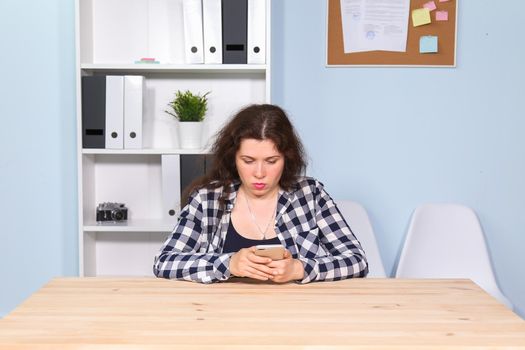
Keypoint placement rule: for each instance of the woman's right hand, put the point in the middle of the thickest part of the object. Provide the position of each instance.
(245, 263)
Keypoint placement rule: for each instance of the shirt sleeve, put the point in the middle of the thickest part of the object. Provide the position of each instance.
(345, 257)
(184, 257)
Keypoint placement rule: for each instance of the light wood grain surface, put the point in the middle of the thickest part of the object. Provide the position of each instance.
(147, 313)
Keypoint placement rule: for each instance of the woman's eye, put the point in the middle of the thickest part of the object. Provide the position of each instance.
(246, 161)
(271, 161)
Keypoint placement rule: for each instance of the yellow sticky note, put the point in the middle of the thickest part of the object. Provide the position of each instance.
(421, 17)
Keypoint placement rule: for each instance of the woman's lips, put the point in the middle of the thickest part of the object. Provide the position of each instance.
(259, 186)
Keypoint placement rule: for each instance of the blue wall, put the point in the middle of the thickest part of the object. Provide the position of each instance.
(38, 209)
(366, 140)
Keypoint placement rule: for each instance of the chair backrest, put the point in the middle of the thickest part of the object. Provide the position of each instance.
(357, 218)
(447, 241)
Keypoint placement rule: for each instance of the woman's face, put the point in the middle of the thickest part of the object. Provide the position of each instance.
(260, 166)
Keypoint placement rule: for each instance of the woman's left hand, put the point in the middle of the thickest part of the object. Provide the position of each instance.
(287, 269)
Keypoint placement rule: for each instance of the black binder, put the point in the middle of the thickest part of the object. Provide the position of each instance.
(234, 31)
(93, 111)
(208, 162)
(193, 166)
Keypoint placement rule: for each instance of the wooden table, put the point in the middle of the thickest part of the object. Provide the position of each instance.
(147, 313)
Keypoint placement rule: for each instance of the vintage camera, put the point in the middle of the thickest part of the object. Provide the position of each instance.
(109, 211)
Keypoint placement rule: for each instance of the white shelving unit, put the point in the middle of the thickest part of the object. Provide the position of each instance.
(111, 36)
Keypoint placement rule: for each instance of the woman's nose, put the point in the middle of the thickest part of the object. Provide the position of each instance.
(259, 170)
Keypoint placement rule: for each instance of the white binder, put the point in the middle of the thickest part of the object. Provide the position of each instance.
(114, 112)
(133, 94)
(212, 27)
(170, 164)
(256, 32)
(193, 42)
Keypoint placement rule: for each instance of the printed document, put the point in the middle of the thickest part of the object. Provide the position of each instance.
(370, 25)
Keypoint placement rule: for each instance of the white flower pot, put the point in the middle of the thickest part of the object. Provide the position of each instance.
(190, 135)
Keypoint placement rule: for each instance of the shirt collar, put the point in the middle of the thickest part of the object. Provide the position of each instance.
(232, 195)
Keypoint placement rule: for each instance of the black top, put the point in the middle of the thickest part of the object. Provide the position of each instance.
(235, 242)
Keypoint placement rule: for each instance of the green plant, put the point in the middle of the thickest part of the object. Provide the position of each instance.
(188, 107)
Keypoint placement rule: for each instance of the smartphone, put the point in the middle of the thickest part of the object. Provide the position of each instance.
(272, 251)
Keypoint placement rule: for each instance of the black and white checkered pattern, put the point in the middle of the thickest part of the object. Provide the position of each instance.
(308, 224)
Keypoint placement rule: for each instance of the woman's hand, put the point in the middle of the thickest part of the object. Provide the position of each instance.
(245, 263)
(287, 269)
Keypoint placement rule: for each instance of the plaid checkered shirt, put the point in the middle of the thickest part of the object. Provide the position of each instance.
(307, 223)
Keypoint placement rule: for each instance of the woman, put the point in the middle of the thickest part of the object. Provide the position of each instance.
(255, 195)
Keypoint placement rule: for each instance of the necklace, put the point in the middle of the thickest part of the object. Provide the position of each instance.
(263, 233)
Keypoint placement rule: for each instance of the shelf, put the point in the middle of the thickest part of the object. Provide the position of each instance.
(176, 68)
(110, 37)
(162, 226)
(144, 151)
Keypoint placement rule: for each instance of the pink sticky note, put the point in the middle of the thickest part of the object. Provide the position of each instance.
(444, 0)
(431, 5)
(441, 15)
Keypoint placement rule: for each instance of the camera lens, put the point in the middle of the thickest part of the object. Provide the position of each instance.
(116, 214)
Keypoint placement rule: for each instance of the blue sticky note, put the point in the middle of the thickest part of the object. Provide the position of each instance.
(428, 44)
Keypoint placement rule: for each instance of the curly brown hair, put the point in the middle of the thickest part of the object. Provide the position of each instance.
(259, 122)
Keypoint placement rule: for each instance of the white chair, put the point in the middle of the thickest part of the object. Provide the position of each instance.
(357, 218)
(447, 241)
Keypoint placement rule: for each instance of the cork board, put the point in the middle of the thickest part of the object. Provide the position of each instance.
(444, 30)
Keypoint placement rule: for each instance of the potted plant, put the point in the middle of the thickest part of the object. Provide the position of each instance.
(189, 109)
